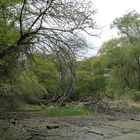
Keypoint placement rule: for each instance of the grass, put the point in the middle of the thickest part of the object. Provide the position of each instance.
(52, 111)
(34, 107)
(134, 110)
(67, 111)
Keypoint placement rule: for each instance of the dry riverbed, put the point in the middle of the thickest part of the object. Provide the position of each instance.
(119, 126)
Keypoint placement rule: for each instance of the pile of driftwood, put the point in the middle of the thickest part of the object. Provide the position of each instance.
(96, 104)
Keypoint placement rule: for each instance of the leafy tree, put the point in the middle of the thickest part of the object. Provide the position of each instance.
(47, 26)
(128, 26)
(91, 80)
(46, 73)
(121, 67)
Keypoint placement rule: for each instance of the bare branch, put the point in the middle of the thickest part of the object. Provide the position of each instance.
(20, 18)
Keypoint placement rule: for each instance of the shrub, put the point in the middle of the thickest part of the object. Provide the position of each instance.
(135, 95)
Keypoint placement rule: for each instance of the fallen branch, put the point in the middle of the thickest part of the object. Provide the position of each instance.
(52, 127)
(97, 133)
(135, 119)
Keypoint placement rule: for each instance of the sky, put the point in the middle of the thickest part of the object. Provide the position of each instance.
(107, 11)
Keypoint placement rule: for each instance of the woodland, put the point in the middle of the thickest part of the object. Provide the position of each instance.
(42, 64)
(41, 44)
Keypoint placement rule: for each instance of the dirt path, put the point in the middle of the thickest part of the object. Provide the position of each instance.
(98, 127)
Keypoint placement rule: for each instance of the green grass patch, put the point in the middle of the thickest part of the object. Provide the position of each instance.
(34, 107)
(67, 111)
(134, 110)
(53, 111)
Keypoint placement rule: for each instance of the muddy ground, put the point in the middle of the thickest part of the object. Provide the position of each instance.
(118, 126)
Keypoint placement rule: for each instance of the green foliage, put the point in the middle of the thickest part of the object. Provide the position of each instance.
(46, 73)
(88, 84)
(135, 95)
(29, 87)
(25, 30)
(8, 21)
(90, 77)
(8, 34)
(134, 110)
(84, 84)
(32, 75)
(121, 57)
(128, 25)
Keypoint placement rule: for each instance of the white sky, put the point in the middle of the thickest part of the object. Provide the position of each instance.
(107, 11)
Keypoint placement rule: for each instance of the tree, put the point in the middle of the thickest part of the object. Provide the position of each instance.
(129, 26)
(90, 80)
(121, 67)
(46, 26)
